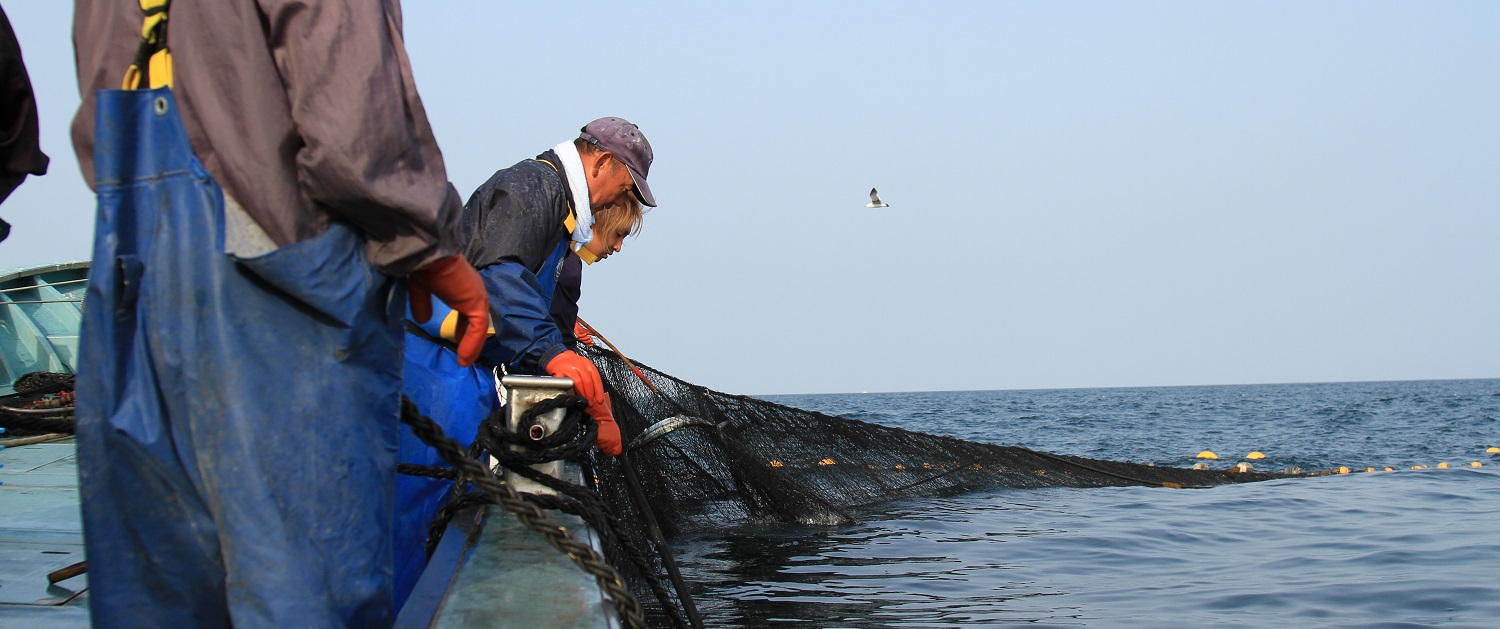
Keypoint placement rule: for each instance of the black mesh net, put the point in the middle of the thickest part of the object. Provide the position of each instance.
(710, 460)
(41, 405)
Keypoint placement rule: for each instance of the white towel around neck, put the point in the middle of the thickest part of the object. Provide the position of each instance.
(572, 167)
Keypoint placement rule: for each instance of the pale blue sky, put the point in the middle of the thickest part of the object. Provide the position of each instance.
(1082, 194)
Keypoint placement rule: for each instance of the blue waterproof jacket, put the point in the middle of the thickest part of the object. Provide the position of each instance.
(516, 225)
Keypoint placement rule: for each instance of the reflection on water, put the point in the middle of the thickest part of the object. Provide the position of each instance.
(1418, 546)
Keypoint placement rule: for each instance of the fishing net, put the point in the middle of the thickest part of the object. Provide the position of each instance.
(711, 460)
(707, 460)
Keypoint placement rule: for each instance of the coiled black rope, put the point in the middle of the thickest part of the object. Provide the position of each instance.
(574, 499)
(459, 500)
(570, 440)
(427, 471)
(472, 471)
(518, 450)
(57, 419)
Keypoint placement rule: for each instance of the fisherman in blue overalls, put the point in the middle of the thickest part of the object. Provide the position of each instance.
(268, 191)
(520, 225)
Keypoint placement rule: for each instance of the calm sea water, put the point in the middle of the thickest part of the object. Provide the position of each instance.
(1410, 548)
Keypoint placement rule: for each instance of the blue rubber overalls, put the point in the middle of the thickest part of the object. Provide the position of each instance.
(458, 399)
(236, 417)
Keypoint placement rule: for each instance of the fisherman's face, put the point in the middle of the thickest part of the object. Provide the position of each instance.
(611, 183)
(607, 242)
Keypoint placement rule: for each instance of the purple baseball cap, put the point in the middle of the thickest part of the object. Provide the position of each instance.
(629, 145)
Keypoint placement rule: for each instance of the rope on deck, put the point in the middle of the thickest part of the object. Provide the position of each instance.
(529, 513)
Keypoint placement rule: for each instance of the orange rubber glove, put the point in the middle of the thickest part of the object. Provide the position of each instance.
(587, 383)
(582, 334)
(608, 440)
(459, 286)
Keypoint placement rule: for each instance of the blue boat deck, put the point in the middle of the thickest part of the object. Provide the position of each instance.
(41, 530)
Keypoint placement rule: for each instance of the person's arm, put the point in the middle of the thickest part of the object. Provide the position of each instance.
(525, 334)
(368, 155)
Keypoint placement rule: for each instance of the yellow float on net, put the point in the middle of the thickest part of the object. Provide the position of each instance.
(1443, 465)
(1493, 450)
(1256, 455)
(1343, 469)
(1419, 467)
(1475, 464)
(1389, 468)
(1208, 454)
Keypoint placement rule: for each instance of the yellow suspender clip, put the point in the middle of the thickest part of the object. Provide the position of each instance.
(152, 56)
(449, 328)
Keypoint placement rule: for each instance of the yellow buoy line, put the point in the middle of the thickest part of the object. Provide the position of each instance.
(1209, 455)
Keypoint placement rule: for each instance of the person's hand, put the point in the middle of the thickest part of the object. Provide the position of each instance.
(452, 280)
(587, 383)
(608, 441)
(582, 334)
(585, 376)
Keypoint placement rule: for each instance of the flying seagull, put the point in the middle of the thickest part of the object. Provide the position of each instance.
(875, 200)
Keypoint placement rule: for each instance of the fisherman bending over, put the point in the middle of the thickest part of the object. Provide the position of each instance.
(520, 226)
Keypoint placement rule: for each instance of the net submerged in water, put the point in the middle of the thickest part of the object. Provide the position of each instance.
(712, 460)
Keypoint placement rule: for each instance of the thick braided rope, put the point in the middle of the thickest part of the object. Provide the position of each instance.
(609, 528)
(504, 495)
(573, 438)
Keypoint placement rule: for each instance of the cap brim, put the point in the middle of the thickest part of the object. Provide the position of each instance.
(642, 191)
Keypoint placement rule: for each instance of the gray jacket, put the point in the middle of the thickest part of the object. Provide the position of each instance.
(304, 112)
